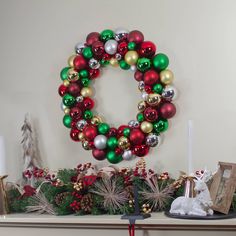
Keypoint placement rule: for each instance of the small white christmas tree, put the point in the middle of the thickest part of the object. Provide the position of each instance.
(31, 158)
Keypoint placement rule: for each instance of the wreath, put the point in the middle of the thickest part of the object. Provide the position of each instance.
(127, 50)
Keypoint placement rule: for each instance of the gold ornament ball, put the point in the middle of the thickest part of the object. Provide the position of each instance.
(85, 145)
(146, 127)
(141, 106)
(70, 60)
(153, 99)
(66, 82)
(86, 92)
(114, 62)
(96, 120)
(123, 143)
(72, 75)
(81, 136)
(167, 76)
(67, 111)
(131, 57)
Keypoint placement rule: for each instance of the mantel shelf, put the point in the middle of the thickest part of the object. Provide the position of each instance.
(158, 221)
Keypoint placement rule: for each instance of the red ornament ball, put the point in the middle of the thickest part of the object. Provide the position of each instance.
(79, 62)
(141, 150)
(121, 129)
(90, 132)
(62, 90)
(167, 110)
(147, 49)
(136, 36)
(94, 73)
(98, 49)
(150, 114)
(74, 134)
(138, 75)
(88, 103)
(92, 38)
(75, 113)
(122, 48)
(74, 89)
(151, 77)
(148, 89)
(118, 151)
(112, 132)
(136, 137)
(99, 155)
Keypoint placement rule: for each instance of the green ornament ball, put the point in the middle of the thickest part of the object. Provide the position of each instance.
(124, 65)
(68, 100)
(140, 117)
(161, 125)
(67, 121)
(87, 53)
(104, 62)
(64, 73)
(85, 82)
(143, 64)
(157, 88)
(112, 143)
(113, 158)
(88, 115)
(131, 46)
(126, 132)
(103, 128)
(83, 74)
(106, 35)
(160, 61)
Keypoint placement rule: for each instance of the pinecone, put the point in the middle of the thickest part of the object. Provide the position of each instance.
(129, 190)
(86, 203)
(60, 198)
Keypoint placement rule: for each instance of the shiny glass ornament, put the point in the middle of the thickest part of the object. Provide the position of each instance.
(88, 115)
(113, 158)
(160, 126)
(112, 143)
(79, 47)
(121, 34)
(146, 127)
(128, 155)
(64, 74)
(131, 45)
(124, 65)
(106, 35)
(123, 143)
(67, 120)
(88, 53)
(94, 64)
(126, 132)
(153, 99)
(143, 64)
(103, 128)
(131, 57)
(169, 93)
(152, 140)
(81, 124)
(111, 47)
(133, 124)
(166, 77)
(160, 61)
(140, 117)
(147, 49)
(141, 106)
(86, 92)
(68, 100)
(157, 88)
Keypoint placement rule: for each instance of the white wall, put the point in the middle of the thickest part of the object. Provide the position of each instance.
(199, 37)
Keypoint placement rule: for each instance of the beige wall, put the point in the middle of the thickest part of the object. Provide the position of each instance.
(199, 37)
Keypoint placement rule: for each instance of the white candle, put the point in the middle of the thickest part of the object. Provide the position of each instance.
(190, 147)
(3, 170)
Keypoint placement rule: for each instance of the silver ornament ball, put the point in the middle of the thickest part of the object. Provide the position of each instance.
(111, 47)
(94, 64)
(144, 96)
(127, 155)
(169, 93)
(153, 140)
(63, 107)
(133, 68)
(79, 99)
(141, 86)
(79, 48)
(100, 141)
(121, 34)
(118, 56)
(133, 124)
(81, 124)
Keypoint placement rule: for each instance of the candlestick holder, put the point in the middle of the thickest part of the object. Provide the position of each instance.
(3, 197)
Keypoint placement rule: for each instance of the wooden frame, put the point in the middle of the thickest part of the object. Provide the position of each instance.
(223, 187)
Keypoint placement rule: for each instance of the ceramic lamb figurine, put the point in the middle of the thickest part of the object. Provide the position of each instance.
(199, 205)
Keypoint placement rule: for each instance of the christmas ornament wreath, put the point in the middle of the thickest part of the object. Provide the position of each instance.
(128, 50)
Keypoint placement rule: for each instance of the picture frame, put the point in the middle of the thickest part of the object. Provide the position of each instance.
(223, 187)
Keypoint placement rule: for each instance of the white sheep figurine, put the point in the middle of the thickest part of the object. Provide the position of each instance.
(199, 205)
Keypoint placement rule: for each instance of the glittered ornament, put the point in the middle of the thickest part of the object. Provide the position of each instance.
(147, 49)
(99, 155)
(111, 47)
(167, 110)
(123, 143)
(136, 37)
(92, 38)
